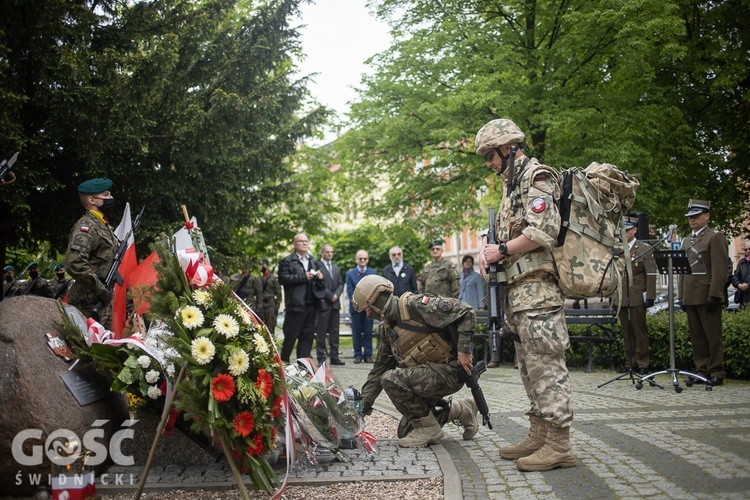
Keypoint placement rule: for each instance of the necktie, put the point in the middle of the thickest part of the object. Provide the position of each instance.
(328, 265)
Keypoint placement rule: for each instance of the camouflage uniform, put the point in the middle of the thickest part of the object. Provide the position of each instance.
(441, 279)
(92, 246)
(13, 288)
(40, 287)
(250, 291)
(533, 301)
(414, 391)
(270, 300)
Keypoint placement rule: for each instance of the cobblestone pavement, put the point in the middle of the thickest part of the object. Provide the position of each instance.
(630, 444)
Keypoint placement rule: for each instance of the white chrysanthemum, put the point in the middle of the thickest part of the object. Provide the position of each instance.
(260, 343)
(152, 376)
(202, 350)
(170, 370)
(245, 316)
(172, 353)
(202, 297)
(239, 362)
(191, 317)
(154, 392)
(151, 342)
(144, 361)
(226, 325)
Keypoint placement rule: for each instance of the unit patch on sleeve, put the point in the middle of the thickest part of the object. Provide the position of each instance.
(84, 229)
(538, 205)
(425, 300)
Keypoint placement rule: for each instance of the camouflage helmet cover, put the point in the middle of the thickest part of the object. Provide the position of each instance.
(497, 133)
(368, 290)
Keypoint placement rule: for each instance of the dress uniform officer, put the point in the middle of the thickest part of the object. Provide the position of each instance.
(702, 295)
(424, 343)
(440, 277)
(92, 246)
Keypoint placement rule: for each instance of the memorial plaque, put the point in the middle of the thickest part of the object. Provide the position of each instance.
(83, 387)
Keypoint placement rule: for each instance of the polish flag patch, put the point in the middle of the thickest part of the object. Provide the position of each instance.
(538, 205)
(84, 229)
(425, 300)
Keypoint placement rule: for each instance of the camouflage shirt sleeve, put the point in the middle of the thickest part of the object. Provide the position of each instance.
(77, 256)
(384, 362)
(540, 210)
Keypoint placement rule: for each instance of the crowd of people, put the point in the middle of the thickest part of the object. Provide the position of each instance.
(427, 319)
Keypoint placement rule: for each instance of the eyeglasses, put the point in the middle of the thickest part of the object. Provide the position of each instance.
(362, 258)
(489, 155)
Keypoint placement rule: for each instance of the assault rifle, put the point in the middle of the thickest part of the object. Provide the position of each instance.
(472, 382)
(113, 276)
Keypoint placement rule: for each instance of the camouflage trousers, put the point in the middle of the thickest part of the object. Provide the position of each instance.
(541, 362)
(415, 391)
(268, 315)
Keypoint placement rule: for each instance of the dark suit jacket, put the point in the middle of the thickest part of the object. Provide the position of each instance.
(406, 281)
(694, 289)
(293, 277)
(333, 285)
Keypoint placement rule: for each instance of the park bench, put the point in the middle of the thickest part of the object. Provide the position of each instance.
(600, 330)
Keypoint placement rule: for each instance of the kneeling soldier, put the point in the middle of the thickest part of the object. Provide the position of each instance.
(424, 343)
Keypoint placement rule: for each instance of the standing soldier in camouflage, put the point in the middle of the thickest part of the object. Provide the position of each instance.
(270, 292)
(424, 343)
(61, 283)
(11, 286)
(527, 225)
(247, 287)
(92, 246)
(36, 284)
(439, 277)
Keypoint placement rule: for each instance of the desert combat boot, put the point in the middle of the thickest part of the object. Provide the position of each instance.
(425, 431)
(465, 412)
(554, 454)
(534, 441)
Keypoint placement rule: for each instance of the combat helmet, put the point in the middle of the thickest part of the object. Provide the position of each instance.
(372, 291)
(497, 133)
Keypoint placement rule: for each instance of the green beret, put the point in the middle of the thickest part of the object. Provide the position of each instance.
(94, 186)
(264, 261)
(59, 266)
(31, 264)
(436, 243)
(8, 268)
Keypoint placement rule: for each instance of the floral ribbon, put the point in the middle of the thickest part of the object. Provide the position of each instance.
(368, 440)
(197, 271)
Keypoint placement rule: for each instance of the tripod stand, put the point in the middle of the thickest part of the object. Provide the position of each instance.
(673, 262)
(635, 378)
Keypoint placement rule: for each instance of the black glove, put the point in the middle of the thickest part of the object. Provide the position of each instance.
(682, 306)
(649, 303)
(366, 408)
(106, 297)
(712, 304)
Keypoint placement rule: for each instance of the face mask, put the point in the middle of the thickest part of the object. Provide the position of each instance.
(8, 278)
(33, 274)
(108, 204)
(60, 275)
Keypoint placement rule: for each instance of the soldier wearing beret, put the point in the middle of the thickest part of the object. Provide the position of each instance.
(11, 286)
(60, 283)
(702, 295)
(35, 284)
(92, 246)
(632, 313)
(439, 277)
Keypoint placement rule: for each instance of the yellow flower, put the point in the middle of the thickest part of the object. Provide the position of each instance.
(226, 325)
(260, 343)
(238, 363)
(191, 317)
(202, 350)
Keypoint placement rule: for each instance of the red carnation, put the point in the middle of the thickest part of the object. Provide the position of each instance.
(222, 387)
(264, 382)
(244, 423)
(256, 447)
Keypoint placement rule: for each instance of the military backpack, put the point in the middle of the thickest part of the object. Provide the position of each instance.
(590, 252)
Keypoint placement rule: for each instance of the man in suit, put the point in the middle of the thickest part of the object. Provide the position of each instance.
(298, 272)
(329, 308)
(400, 273)
(632, 314)
(361, 324)
(702, 295)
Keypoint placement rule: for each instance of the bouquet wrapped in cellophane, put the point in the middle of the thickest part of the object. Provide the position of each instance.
(321, 414)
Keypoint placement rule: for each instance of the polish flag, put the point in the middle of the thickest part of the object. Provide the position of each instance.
(128, 264)
(142, 281)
